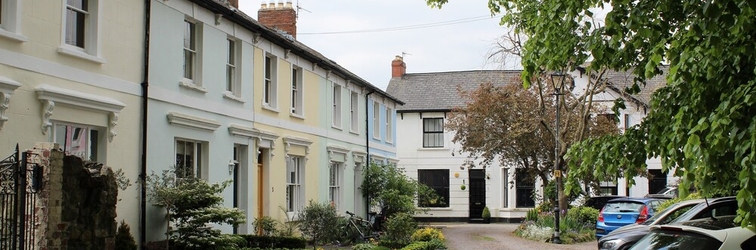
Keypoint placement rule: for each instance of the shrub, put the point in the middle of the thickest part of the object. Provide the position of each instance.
(486, 213)
(399, 229)
(427, 234)
(426, 245)
(584, 216)
(363, 246)
(265, 226)
(319, 222)
(123, 239)
(255, 241)
(393, 191)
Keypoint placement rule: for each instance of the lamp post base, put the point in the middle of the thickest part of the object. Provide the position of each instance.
(555, 238)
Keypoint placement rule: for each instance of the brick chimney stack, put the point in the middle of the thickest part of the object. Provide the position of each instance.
(281, 16)
(398, 67)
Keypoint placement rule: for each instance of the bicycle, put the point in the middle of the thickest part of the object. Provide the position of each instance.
(358, 229)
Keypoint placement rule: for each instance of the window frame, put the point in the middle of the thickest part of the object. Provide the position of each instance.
(10, 20)
(233, 59)
(389, 125)
(95, 148)
(294, 182)
(297, 95)
(190, 49)
(436, 132)
(335, 181)
(336, 102)
(198, 157)
(354, 112)
(270, 69)
(376, 120)
(438, 180)
(90, 29)
(523, 185)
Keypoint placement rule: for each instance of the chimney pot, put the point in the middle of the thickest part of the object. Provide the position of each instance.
(288, 4)
(264, 5)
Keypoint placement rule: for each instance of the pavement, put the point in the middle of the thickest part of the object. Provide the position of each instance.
(496, 236)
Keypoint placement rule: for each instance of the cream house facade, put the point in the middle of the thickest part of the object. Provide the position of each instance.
(70, 73)
(234, 98)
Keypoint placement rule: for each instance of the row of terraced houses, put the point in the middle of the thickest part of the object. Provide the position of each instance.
(199, 85)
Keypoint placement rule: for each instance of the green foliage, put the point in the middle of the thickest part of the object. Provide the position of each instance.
(433, 244)
(531, 215)
(123, 239)
(577, 225)
(265, 226)
(192, 204)
(584, 216)
(392, 190)
(399, 229)
(700, 123)
(272, 242)
(318, 222)
(486, 213)
(427, 234)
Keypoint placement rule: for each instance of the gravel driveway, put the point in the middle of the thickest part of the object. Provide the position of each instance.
(497, 236)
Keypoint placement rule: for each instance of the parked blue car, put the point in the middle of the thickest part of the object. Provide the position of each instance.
(624, 211)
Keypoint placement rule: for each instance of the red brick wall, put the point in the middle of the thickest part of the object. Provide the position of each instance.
(280, 18)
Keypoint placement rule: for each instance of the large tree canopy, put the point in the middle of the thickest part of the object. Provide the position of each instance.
(702, 123)
(510, 123)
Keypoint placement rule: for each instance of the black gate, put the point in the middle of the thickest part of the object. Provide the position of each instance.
(19, 184)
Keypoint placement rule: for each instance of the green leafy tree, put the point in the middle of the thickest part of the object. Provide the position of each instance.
(191, 204)
(393, 191)
(701, 123)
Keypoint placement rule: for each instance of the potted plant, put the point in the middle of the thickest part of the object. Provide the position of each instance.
(486, 215)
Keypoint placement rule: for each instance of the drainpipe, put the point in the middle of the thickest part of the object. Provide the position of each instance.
(143, 170)
(367, 149)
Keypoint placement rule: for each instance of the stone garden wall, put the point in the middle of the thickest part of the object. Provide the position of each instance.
(76, 208)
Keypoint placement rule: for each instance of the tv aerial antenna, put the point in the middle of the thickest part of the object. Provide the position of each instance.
(299, 7)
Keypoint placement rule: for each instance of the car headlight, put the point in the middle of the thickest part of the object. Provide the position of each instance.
(612, 244)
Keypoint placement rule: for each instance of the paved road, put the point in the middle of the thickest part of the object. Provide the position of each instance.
(497, 236)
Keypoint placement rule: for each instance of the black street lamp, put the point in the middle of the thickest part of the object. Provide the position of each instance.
(557, 80)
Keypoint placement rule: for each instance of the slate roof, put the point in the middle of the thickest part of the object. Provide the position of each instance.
(286, 41)
(438, 91)
(619, 80)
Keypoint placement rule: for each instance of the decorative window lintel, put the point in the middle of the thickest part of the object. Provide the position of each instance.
(191, 121)
(50, 95)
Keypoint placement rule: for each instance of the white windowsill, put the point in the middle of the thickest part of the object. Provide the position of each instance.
(231, 96)
(335, 127)
(354, 132)
(298, 116)
(13, 36)
(268, 107)
(77, 52)
(189, 84)
(433, 149)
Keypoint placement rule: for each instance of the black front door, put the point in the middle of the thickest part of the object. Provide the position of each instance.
(657, 181)
(477, 194)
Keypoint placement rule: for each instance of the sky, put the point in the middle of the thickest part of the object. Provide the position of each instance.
(364, 36)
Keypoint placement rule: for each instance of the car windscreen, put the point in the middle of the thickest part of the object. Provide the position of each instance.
(623, 207)
(669, 214)
(662, 239)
